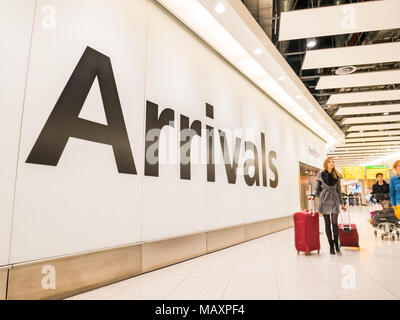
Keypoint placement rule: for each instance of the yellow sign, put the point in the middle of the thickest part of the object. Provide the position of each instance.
(350, 173)
(397, 211)
(371, 171)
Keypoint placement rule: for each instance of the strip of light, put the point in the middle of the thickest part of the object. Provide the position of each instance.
(201, 17)
(353, 55)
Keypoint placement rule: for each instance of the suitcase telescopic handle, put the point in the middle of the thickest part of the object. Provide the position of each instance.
(348, 217)
(311, 205)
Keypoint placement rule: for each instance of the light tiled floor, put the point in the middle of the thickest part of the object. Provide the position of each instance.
(269, 268)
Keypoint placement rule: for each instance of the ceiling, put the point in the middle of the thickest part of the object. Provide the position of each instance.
(347, 54)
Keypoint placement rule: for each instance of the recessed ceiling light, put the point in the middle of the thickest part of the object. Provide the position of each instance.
(385, 113)
(311, 42)
(219, 8)
(281, 78)
(298, 97)
(257, 51)
(361, 131)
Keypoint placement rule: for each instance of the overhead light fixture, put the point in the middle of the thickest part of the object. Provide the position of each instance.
(298, 96)
(257, 51)
(311, 43)
(385, 113)
(212, 21)
(219, 8)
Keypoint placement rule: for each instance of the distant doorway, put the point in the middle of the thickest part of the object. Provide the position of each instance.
(307, 180)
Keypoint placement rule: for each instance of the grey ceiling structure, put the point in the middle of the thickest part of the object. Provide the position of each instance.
(354, 76)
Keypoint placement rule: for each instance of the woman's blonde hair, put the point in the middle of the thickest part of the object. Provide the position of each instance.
(396, 164)
(335, 173)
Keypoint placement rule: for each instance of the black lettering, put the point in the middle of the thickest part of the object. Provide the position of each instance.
(264, 159)
(154, 124)
(210, 154)
(64, 121)
(186, 141)
(231, 169)
(255, 179)
(271, 156)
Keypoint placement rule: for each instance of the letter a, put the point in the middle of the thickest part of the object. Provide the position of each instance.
(64, 121)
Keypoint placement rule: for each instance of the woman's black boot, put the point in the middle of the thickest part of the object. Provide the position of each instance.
(337, 247)
(331, 247)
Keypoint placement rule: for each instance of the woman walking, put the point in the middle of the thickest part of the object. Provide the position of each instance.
(395, 185)
(328, 190)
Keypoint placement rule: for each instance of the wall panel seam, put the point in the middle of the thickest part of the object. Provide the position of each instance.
(20, 132)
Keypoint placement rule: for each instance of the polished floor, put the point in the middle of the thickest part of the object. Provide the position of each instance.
(269, 268)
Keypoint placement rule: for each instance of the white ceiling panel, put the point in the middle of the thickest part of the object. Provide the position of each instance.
(347, 161)
(359, 154)
(351, 159)
(388, 118)
(343, 111)
(362, 79)
(373, 133)
(357, 55)
(356, 155)
(368, 96)
(376, 143)
(342, 19)
(371, 139)
(367, 147)
(375, 127)
(341, 162)
(366, 151)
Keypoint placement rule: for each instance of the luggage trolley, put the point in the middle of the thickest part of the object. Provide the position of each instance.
(385, 222)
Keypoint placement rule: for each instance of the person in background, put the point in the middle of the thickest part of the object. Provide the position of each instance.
(329, 191)
(380, 185)
(351, 199)
(345, 197)
(394, 185)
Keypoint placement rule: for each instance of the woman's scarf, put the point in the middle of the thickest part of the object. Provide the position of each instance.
(328, 178)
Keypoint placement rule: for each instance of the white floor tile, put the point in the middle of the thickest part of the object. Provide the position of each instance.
(269, 268)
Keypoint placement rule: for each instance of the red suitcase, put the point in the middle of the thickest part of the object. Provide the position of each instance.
(348, 234)
(306, 231)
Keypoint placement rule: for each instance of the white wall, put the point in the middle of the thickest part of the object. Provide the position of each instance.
(16, 19)
(83, 203)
